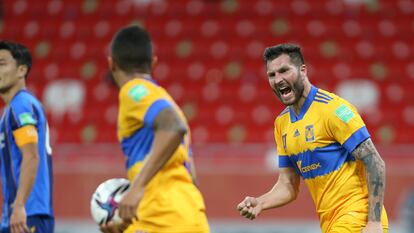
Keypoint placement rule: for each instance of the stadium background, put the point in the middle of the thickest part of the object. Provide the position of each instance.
(210, 61)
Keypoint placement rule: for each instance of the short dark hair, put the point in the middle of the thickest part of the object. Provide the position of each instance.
(292, 50)
(131, 49)
(19, 52)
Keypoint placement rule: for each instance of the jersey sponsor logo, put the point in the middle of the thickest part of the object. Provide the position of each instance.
(26, 119)
(344, 113)
(284, 141)
(309, 133)
(296, 133)
(308, 168)
(138, 92)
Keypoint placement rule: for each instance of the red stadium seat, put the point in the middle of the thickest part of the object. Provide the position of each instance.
(210, 56)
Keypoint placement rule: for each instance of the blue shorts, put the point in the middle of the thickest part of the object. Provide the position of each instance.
(37, 224)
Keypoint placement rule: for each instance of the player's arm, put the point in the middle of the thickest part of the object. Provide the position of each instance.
(169, 131)
(26, 139)
(283, 192)
(375, 176)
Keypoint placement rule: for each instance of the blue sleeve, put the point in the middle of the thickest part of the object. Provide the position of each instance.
(154, 109)
(356, 138)
(23, 113)
(284, 161)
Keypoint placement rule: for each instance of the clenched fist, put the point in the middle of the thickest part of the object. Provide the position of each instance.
(249, 208)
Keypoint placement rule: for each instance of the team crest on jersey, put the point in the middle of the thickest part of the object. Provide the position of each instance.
(284, 141)
(309, 133)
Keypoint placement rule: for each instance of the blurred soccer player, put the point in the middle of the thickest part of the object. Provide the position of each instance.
(155, 139)
(321, 138)
(25, 157)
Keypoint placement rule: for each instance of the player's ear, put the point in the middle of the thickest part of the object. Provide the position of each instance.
(303, 70)
(154, 62)
(111, 64)
(22, 71)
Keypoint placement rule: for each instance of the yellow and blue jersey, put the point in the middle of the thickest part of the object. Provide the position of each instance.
(24, 121)
(318, 143)
(172, 202)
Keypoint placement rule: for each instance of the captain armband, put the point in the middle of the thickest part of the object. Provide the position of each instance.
(25, 135)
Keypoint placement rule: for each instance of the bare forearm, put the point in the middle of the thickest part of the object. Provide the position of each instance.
(27, 177)
(165, 144)
(169, 132)
(280, 195)
(375, 176)
(375, 173)
(283, 192)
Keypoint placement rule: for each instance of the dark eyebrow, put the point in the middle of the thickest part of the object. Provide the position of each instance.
(271, 73)
(283, 68)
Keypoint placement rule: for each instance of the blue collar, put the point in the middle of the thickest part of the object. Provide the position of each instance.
(305, 107)
(148, 78)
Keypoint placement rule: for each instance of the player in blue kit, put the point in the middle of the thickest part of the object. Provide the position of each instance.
(25, 155)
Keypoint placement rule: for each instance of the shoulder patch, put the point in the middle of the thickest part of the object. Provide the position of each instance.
(344, 113)
(138, 92)
(26, 119)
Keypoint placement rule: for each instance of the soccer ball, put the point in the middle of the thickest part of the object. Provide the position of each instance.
(105, 199)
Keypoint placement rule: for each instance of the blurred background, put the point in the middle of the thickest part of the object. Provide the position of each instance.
(210, 60)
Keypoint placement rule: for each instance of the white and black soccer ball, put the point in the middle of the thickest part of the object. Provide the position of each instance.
(105, 199)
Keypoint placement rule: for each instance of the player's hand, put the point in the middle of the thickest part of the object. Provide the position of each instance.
(373, 227)
(18, 220)
(129, 204)
(111, 227)
(249, 208)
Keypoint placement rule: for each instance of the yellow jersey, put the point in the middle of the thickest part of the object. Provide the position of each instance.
(171, 202)
(318, 144)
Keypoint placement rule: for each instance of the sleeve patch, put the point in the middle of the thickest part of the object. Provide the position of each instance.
(26, 118)
(344, 113)
(138, 92)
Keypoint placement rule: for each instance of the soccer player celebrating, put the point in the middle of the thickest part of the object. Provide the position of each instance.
(321, 138)
(155, 139)
(25, 154)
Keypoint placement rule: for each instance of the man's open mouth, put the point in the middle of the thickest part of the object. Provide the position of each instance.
(285, 90)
